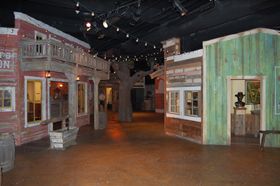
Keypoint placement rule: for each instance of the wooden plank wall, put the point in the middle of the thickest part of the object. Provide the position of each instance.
(248, 55)
(9, 120)
(177, 74)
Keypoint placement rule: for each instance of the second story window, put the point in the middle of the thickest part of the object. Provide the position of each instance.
(40, 46)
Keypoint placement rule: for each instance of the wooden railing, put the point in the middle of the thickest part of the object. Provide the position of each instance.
(50, 50)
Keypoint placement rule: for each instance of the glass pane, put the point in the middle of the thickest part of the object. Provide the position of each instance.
(195, 103)
(195, 95)
(7, 103)
(1, 103)
(34, 100)
(7, 94)
(195, 111)
(1, 94)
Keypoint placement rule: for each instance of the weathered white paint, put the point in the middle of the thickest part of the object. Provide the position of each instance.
(35, 22)
(96, 102)
(188, 55)
(43, 106)
(72, 98)
(8, 31)
(204, 92)
(234, 36)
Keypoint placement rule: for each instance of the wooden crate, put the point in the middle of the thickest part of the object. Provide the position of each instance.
(63, 138)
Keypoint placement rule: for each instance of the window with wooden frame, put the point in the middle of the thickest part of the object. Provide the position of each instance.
(82, 98)
(7, 99)
(174, 102)
(192, 103)
(35, 100)
(184, 103)
(40, 46)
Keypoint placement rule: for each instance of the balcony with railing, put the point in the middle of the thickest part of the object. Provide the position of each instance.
(48, 51)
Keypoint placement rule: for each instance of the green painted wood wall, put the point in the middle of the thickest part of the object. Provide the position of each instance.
(250, 55)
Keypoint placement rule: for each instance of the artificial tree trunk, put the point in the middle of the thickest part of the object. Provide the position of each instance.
(126, 84)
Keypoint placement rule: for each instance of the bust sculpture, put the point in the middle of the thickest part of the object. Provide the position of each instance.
(239, 102)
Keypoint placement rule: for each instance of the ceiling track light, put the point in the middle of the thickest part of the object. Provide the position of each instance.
(88, 26)
(77, 10)
(105, 24)
(180, 7)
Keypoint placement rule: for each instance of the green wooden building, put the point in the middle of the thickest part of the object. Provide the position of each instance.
(241, 62)
(244, 67)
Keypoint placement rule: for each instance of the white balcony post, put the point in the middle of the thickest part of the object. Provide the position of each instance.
(72, 98)
(96, 103)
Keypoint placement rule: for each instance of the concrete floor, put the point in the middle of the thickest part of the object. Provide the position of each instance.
(139, 153)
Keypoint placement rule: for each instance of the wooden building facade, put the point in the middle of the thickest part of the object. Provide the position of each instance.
(45, 74)
(202, 88)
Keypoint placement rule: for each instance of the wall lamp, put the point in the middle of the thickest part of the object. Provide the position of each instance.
(48, 74)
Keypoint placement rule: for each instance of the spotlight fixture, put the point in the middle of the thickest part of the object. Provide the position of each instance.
(48, 74)
(127, 35)
(105, 24)
(180, 7)
(92, 13)
(118, 29)
(88, 25)
(77, 7)
(137, 40)
(78, 78)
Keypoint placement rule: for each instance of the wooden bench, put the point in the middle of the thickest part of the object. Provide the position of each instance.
(264, 133)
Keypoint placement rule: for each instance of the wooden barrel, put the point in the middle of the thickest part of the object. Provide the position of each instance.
(7, 152)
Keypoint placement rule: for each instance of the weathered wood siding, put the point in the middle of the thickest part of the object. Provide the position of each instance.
(255, 54)
(9, 120)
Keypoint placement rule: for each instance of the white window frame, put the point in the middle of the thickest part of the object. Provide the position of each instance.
(181, 115)
(86, 99)
(169, 101)
(44, 37)
(13, 99)
(192, 99)
(43, 80)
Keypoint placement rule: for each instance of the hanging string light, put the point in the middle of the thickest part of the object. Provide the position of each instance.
(106, 24)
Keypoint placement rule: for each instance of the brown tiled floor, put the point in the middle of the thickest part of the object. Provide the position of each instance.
(139, 153)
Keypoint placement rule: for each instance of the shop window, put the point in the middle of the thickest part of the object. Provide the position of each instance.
(82, 98)
(184, 103)
(7, 99)
(174, 102)
(191, 104)
(34, 101)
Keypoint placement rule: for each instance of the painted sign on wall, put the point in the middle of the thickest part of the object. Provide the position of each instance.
(7, 60)
(277, 90)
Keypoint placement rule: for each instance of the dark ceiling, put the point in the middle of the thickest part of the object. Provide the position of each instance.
(152, 21)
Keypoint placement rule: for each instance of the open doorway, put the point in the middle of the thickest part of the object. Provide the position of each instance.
(245, 110)
(58, 102)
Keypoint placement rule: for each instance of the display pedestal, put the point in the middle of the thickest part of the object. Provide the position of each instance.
(239, 121)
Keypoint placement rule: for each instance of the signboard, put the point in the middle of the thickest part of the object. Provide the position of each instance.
(277, 90)
(7, 60)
